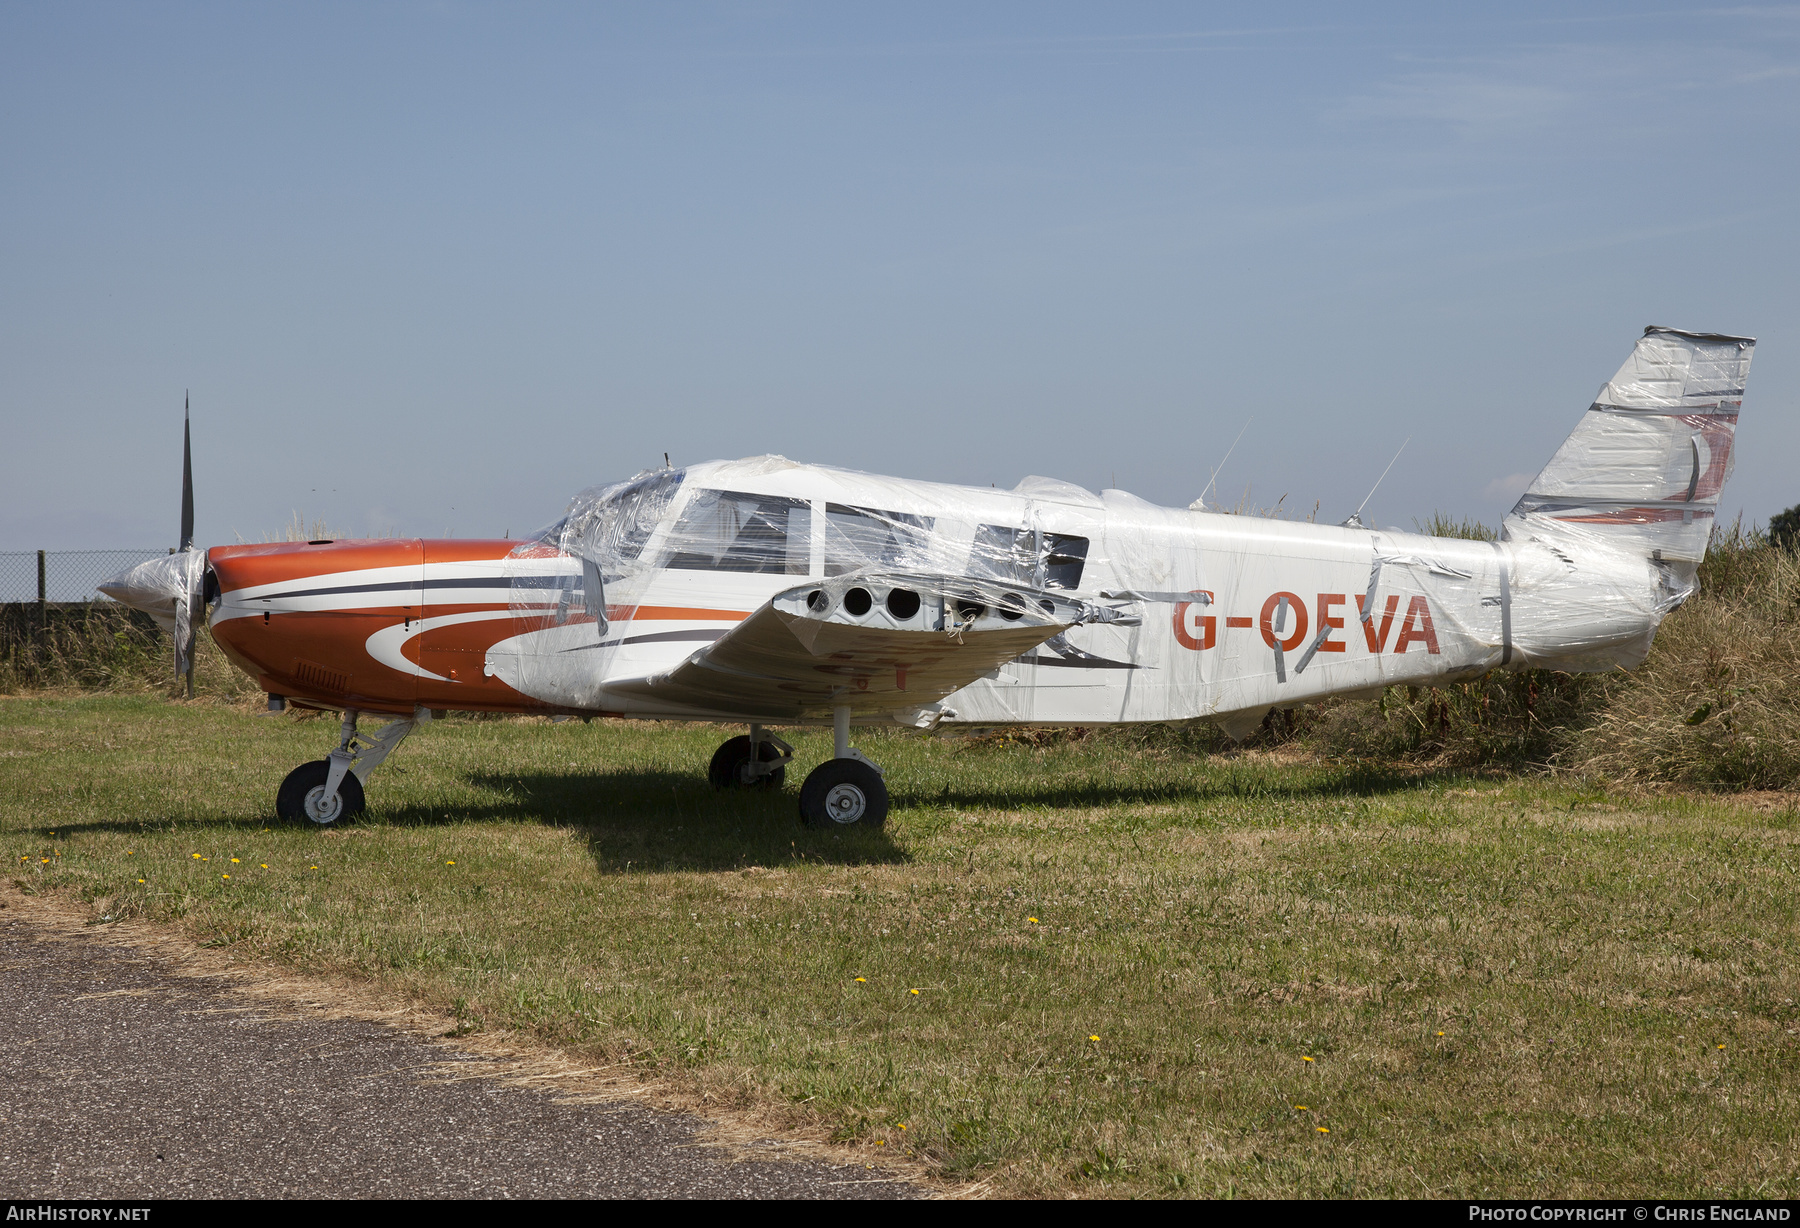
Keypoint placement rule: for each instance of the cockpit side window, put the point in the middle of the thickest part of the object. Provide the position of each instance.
(728, 530)
(1021, 556)
(866, 537)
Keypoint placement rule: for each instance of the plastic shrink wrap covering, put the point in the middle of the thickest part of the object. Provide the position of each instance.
(169, 589)
(581, 589)
(1216, 616)
(1607, 539)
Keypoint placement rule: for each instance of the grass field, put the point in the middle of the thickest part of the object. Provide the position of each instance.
(1091, 966)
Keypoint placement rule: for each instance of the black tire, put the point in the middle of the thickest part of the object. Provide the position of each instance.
(291, 799)
(723, 772)
(842, 793)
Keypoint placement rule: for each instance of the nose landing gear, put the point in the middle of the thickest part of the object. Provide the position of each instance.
(329, 789)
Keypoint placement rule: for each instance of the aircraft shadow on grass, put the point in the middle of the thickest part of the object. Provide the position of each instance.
(671, 821)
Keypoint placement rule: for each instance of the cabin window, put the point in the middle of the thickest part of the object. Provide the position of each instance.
(865, 537)
(1023, 556)
(728, 530)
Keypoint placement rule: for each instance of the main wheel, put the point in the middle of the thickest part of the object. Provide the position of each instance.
(844, 793)
(726, 771)
(302, 796)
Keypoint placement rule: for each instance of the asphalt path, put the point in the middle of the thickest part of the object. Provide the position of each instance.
(121, 1079)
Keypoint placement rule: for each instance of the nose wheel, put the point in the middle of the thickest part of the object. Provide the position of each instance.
(330, 790)
(302, 796)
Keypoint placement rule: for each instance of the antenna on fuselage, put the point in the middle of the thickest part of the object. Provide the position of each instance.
(1354, 520)
(1228, 451)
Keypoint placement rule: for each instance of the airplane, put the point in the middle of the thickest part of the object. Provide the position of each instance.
(769, 593)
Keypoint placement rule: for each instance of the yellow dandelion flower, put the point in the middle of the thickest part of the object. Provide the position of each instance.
(1440, 1033)
(1306, 1059)
(312, 867)
(196, 857)
(224, 876)
(1322, 1130)
(234, 861)
(1301, 1108)
(1033, 920)
(862, 980)
(44, 860)
(1095, 1038)
(915, 993)
(131, 852)
(881, 1142)
(262, 865)
(1721, 1046)
(903, 1125)
(140, 880)
(449, 863)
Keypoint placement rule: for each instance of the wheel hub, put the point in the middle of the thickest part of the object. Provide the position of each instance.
(845, 803)
(321, 809)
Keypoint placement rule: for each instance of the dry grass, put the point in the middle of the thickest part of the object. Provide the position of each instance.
(1506, 986)
(1718, 702)
(103, 647)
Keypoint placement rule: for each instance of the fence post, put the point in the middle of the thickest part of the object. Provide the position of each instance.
(43, 596)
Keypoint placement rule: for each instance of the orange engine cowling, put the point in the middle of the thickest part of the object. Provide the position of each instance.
(352, 624)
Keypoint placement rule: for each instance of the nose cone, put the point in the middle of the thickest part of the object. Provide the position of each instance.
(159, 587)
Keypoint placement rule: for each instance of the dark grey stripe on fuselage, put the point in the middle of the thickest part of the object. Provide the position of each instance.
(1076, 663)
(401, 588)
(655, 637)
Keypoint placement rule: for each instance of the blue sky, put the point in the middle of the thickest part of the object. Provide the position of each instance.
(430, 268)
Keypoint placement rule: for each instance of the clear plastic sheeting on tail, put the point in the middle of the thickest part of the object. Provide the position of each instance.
(1609, 536)
(1643, 472)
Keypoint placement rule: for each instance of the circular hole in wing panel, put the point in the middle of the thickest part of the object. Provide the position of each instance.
(903, 603)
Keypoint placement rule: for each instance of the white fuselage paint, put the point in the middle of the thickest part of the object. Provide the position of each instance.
(1443, 608)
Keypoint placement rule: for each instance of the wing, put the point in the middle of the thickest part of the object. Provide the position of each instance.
(886, 643)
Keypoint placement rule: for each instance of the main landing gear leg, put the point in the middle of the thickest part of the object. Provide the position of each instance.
(846, 790)
(756, 762)
(331, 788)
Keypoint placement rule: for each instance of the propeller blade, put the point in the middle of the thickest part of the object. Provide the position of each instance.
(187, 481)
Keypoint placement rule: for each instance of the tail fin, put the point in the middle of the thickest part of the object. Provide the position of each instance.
(1642, 473)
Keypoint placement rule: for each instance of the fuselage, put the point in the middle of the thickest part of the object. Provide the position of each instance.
(1234, 614)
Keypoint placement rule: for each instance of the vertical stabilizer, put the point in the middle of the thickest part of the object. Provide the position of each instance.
(1642, 473)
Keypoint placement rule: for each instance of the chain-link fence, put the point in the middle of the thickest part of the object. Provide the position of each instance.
(63, 575)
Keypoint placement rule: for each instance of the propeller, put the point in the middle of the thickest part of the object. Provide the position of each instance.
(170, 588)
(187, 479)
(187, 625)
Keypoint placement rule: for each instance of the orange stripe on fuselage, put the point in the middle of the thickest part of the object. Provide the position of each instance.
(678, 611)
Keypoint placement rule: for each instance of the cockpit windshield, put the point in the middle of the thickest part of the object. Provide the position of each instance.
(611, 525)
